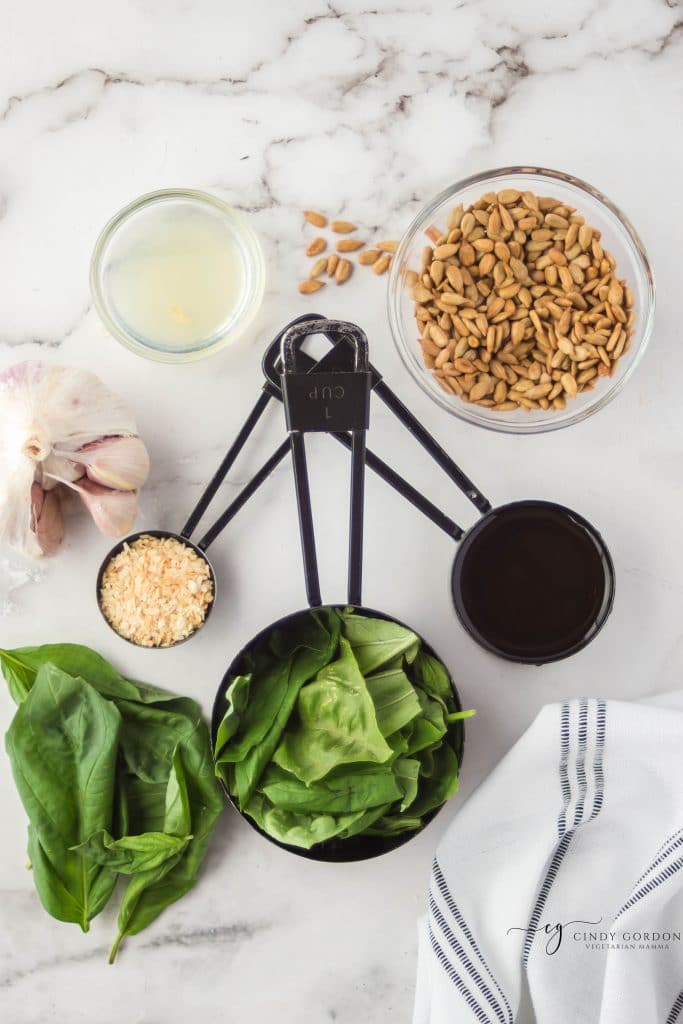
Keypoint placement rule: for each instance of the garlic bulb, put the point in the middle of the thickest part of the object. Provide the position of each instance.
(59, 427)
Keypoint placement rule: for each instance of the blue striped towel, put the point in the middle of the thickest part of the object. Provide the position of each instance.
(556, 895)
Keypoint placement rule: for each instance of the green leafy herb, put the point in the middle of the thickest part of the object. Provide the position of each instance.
(336, 723)
(339, 725)
(62, 746)
(117, 780)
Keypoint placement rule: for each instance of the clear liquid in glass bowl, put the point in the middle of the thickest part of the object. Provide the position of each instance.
(177, 275)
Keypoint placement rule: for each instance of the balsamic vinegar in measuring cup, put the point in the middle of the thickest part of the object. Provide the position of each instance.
(533, 582)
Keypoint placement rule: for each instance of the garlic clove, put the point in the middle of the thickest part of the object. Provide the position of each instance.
(47, 524)
(114, 512)
(121, 463)
(58, 469)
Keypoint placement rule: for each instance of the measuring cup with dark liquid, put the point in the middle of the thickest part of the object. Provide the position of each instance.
(532, 581)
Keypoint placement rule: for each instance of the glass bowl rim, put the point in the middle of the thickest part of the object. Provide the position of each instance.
(251, 247)
(462, 410)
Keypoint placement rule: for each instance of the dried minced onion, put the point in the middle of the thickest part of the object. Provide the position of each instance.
(156, 591)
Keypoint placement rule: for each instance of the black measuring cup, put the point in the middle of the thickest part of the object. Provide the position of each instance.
(324, 401)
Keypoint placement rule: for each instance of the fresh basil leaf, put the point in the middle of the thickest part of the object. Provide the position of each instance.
(406, 771)
(132, 854)
(432, 676)
(304, 830)
(18, 675)
(237, 698)
(144, 899)
(275, 697)
(395, 700)
(362, 824)
(20, 667)
(177, 811)
(57, 895)
(149, 893)
(145, 804)
(394, 825)
(336, 723)
(424, 734)
(376, 642)
(441, 782)
(151, 761)
(433, 712)
(62, 746)
(355, 790)
(279, 679)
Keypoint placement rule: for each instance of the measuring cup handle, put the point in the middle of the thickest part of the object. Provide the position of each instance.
(355, 580)
(326, 401)
(306, 528)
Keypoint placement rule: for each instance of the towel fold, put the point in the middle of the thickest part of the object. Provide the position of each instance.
(559, 883)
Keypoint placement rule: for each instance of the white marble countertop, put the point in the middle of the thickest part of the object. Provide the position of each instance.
(363, 110)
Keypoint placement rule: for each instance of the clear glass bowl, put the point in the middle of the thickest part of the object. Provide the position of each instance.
(618, 237)
(177, 275)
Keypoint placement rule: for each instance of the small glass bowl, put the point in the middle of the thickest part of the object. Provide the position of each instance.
(618, 237)
(126, 269)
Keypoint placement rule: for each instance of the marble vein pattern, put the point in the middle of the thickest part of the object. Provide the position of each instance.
(363, 110)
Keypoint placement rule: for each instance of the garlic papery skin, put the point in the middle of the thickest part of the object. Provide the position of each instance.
(121, 463)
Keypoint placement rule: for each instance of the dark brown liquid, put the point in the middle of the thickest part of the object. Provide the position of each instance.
(531, 581)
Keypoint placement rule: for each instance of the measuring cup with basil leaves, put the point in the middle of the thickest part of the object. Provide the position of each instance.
(338, 733)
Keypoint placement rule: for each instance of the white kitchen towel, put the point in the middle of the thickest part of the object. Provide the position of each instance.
(559, 884)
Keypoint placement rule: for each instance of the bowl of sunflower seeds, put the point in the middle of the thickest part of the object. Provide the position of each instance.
(521, 299)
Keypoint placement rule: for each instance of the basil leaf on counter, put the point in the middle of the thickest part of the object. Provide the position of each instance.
(62, 745)
(20, 667)
(61, 899)
(120, 782)
(151, 892)
(132, 854)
